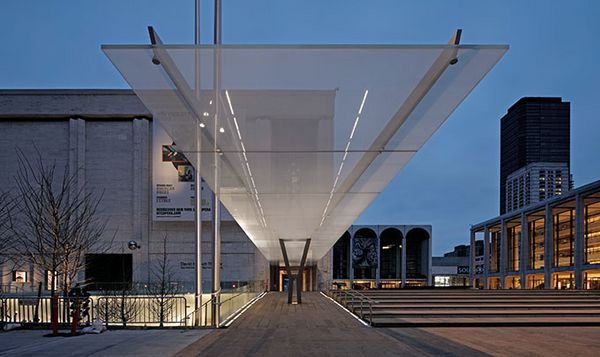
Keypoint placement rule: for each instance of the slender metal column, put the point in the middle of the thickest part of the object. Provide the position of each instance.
(288, 269)
(300, 278)
(218, 18)
(216, 291)
(198, 178)
(197, 22)
(548, 246)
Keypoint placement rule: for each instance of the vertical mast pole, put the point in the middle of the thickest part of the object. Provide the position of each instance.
(216, 291)
(197, 177)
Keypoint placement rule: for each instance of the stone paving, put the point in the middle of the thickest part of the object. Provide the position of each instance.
(318, 327)
(109, 343)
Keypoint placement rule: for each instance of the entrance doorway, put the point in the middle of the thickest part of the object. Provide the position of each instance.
(282, 281)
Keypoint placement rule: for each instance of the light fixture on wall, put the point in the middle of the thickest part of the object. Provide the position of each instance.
(133, 245)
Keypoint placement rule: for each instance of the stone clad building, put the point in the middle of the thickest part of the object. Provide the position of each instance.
(111, 140)
(107, 135)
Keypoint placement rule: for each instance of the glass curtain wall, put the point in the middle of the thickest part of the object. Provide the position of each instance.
(591, 279)
(563, 281)
(364, 254)
(341, 257)
(514, 236)
(592, 233)
(415, 239)
(564, 227)
(391, 254)
(495, 251)
(536, 230)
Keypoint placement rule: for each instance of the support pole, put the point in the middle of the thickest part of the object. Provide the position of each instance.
(218, 18)
(288, 269)
(300, 277)
(216, 291)
(198, 177)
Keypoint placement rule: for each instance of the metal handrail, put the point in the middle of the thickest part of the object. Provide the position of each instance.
(350, 298)
(191, 314)
(243, 290)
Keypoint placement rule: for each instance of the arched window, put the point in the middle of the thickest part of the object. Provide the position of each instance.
(416, 257)
(341, 257)
(390, 253)
(364, 254)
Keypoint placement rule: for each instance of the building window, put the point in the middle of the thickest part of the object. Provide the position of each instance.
(20, 277)
(108, 271)
(592, 233)
(514, 235)
(341, 257)
(48, 280)
(564, 238)
(536, 231)
(495, 252)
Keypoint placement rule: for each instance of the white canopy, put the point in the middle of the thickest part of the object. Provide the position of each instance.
(305, 137)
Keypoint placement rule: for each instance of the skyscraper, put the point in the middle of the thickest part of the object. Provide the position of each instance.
(534, 151)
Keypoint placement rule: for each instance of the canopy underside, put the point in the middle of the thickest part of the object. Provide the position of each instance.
(299, 140)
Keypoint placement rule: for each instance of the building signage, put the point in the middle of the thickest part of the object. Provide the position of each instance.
(462, 269)
(187, 265)
(172, 181)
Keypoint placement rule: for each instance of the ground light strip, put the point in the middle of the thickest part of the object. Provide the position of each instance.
(348, 311)
(242, 309)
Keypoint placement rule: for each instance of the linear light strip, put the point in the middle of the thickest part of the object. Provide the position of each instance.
(243, 309)
(337, 177)
(239, 134)
(348, 311)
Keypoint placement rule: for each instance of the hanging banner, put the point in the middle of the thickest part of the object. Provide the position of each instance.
(173, 181)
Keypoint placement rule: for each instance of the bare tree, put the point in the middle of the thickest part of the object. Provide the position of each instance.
(6, 207)
(122, 305)
(163, 288)
(5, 245)
(56, 220)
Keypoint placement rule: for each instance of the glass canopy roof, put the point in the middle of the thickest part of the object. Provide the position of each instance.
(299, 140)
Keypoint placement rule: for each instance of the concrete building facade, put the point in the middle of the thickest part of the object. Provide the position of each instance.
(382, 256)
(536, 182)
(107, 136)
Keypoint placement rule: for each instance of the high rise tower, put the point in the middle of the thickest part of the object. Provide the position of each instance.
(534, 152)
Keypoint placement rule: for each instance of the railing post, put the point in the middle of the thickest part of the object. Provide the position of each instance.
(361, 308)
(105, 311)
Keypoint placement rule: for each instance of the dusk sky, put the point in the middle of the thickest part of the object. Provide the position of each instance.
(453, 181)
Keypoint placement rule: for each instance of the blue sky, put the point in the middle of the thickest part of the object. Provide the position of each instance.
(453, 181)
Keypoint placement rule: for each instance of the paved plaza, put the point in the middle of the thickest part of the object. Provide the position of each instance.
(109, 343)
(317, 327)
